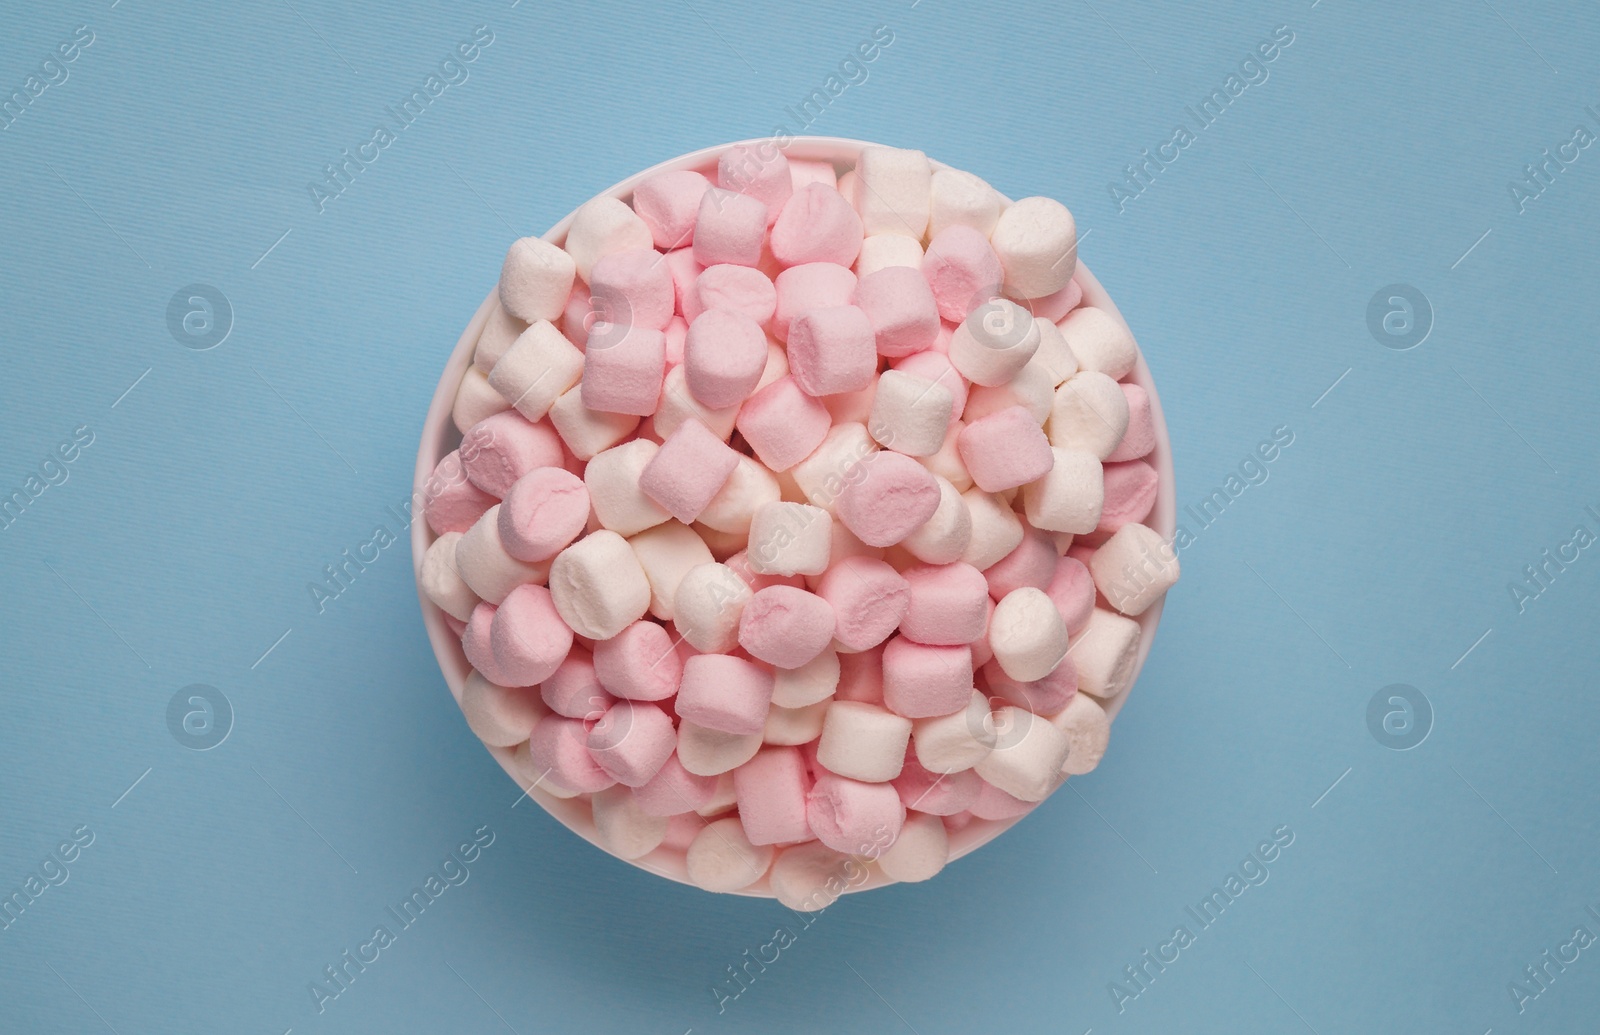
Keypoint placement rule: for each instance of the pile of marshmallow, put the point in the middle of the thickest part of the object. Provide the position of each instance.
(797, 517)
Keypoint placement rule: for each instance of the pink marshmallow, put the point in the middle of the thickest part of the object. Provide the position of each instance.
(560, 747)
(993, 803)
(982, 650)
(1005, 449)
(1140, 438)
(578, 316)
(633, 287)
(501, 448)
(785, 627)
(868, 597)
(761, 171)
(934, 794)
(688, 470)
(816, 225)
(674, 791)
(478, 645)
(935, 366)
(771, 792)
(1131, 488)
(546, 509)
(852, 817)
(451, 502)
(783, 424)
(901, 307)
(724, 693)
(962, 270)
(832, 350)
(632, 741)
(685, 271)
(892, 497)
(815, 285)
(574, 691)
(1071, 589)
(861, 677)
(1054, 307)
(1045, 696)
(730, 227)
(668, 202)
(739, 288)
(457, 627)
(1032, 563)
(622, 373)
(723, 357)
(921, 681)
(949, 604)
(639, 663)
(528, 637)
(675, 338)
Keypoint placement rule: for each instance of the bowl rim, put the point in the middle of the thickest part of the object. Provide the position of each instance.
(440, 436)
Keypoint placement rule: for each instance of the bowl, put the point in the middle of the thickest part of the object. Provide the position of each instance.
(439, 437)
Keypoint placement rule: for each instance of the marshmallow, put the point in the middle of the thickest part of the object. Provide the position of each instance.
(832, 350)
(499, 331)
(922, 681)
(638, 663)
(838, 463)
(1043, 696)
(685, 275)
(674, 791)
(935, 794)
(810, 684)
(1027, 634)
(792, 727)
(633, 288)
(1087, 730)
(814, 285)
(762, 172)
(1054, 361)
(539, 366)
(959, 198)
(730, 227)
(947, 604)
(962, 270)
(612, 481)
(451, 503)
(1106, 653)
(1072, 590)
(623, 372)
(632, 741)
(724, 693)
(994, 804)
(816, 224)
(893, 190)
(499, 449)
(545, 510)
(919, 852)
(668, 202)
(994, 342)
(678, 405)
(622, 827)
(790, 539)
(707, 605)
(733, 508)
(528, 637)
(785, 627)
(475, 643)
(666, 553)
(578, 316)
(721, 858)
(868, 598)
(1100, 342)
(804, 170)
(946, 535)
(891, 497)
(739, 563)
(535, 279)
(910, 414)
(996, 529)
(1134, 568)
(1005, 450)
(737, 288)
(499, 716)
(901, 307)
(881, 251)
(1131, 488)
(585, 431)
(559, 747)
(934, 366)
(485, 566)
(1032, 563)
(688, 470)
(573, 690)
(722, 793)
(1037, 242)
(783, 424)
(1140, 438)
(771, 793)
(723, 357)
(601, 227)
(1069, 497)
(708, 752)
(1090, 412)
(851, 407)
(863, 741)
(811, 876)
(1033, 389)
(442, 583)
(598, 587)
(1027, 757)
(955, 742)
(853, 816)
(476, 399)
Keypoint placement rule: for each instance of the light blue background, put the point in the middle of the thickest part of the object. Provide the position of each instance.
(1378, 151)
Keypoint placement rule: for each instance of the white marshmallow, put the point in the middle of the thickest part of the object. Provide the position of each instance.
(919, 852)
(893, 191)
(945, 537)
(707, 607)
(809, 876)
(1089, 412)
(994, 342)
(1032, 389)
(712, 752)
(667, 553)
(475, 400)
(442, 583)
(959, 198)
(880, 251)
(536, 279)
(910, 414)
(536, 369)
(612, 478)
(1087, 730)
(824, 474)
(996, 529)
(810, 684)
(484, 565)
(603, 226)
(1027, 757)
(624, 829)
(957, 742)
(723, 796)
(1100, 341)
(678, 404)
(721, 858)
(1037, 242)
(734, 507)
(498, 333)
(791, 727)
(1055, 356)
(1069, 496)
(1105, 653)
(790, 539)
(585, 431)
(863, 741)
(1027, 634)
(1134, 568)
(497, 715)
(598, 587)
(947, 462)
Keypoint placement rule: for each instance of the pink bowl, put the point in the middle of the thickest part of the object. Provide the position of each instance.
(439, 437)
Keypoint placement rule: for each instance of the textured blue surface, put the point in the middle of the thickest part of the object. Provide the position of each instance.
(1379, 147)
